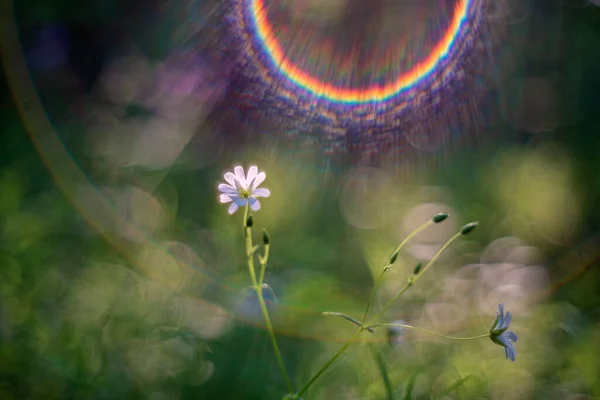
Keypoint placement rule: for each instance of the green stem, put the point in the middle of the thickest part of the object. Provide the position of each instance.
(276, 350)
(392, 301)
(245, 216)
(415, 278)
(382, 368)
(263, 264)
(430, 332)
(329, 363)
(263, 306)
(400, 246)
(437, 255)
(372, 295)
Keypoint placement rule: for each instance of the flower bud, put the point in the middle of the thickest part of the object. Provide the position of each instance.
(417, 268)
(249, 221)
(393, 258)
(439, 217)
(468, 228)
(266, 237)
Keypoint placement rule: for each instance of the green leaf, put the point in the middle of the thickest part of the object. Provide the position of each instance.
(347, 317)
(410, 386)
(455, 385)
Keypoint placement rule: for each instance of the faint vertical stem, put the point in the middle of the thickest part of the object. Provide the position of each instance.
(400, 246)
(383, 369)
(263, 307)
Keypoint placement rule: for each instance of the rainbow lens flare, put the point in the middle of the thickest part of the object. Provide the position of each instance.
(276, 54)
(418, 84)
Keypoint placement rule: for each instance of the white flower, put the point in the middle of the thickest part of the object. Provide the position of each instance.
(243, 189)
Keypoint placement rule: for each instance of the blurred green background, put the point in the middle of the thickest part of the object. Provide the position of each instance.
(121, 277)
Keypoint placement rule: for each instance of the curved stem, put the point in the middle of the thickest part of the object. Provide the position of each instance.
(400, 246)
(276, 350)
(263, 307)
(430, 332)
(438, 254)
(329, 363)
(392, 301)
(372, 295)
(263, 264)
(415, 278)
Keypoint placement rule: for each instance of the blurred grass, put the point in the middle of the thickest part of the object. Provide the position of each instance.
(79, 320)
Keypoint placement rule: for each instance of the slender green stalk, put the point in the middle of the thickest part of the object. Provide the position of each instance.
(263, 264)
(383, 369)
(430, 332)
(263, 307)
(400, 246)
(437, 255)
(329, 363)
(372, 295)
(392, 301)
(245, 216)
(276, 350)
(367, 308)
(414, 278)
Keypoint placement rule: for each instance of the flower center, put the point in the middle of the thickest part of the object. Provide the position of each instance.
(245, 193)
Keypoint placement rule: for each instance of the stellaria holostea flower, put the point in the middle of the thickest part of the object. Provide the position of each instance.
(500, 335)
(242, 189)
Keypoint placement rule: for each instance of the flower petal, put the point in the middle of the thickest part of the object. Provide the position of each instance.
(230, 178)
(233, 208)
(240, 201)
(261, 192)
(252, 172)
(240, 176)
(260, 178)
(254, 204)
(503, 340)
(511, 336)
(500, 315)
(510, 352)
(506, 321)
(225, 188)
(224, 198)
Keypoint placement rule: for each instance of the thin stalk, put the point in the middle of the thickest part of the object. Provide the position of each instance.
(263, 306)
(372, 295)
(383, 369)
(263, 264)
(400, 246)
(430, 332)
(415, 278)
(437, 255)
(329, 363)
(392, 301)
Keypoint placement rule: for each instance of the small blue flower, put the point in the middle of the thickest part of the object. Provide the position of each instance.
(500, 335)
(396, 334)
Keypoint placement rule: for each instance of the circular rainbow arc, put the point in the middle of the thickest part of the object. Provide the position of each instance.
(333, 93)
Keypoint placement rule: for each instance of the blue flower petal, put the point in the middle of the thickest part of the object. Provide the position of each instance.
(506, 321)
(502, 339)
(500, 315)
(510, 353)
